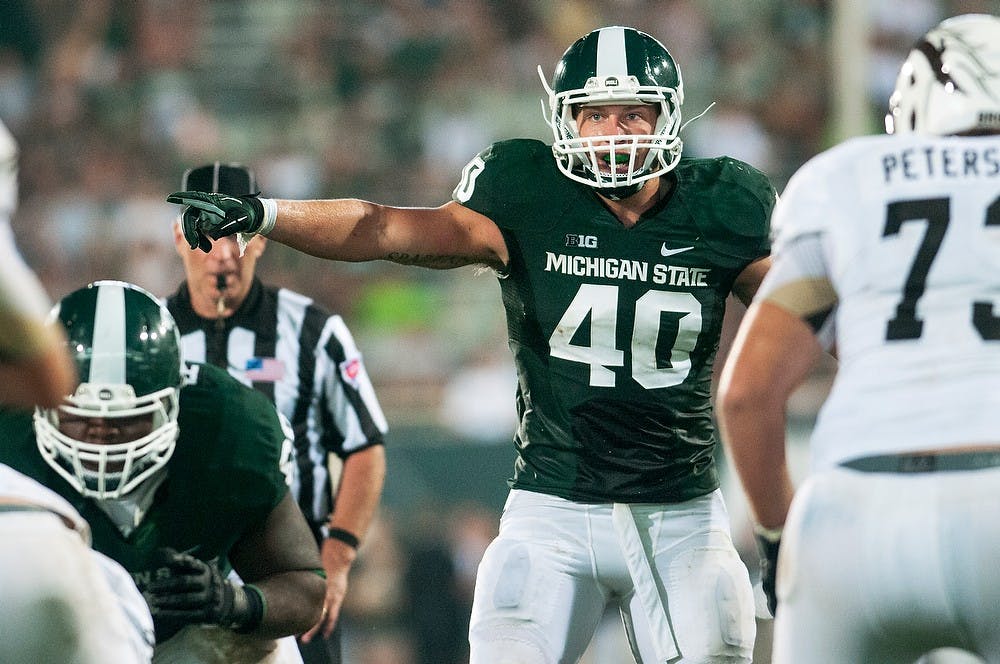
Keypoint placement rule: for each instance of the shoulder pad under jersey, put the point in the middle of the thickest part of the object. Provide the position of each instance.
(731, 203)
(230, 428)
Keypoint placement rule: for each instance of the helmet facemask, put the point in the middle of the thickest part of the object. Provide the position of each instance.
(109, 470)
(127, 350)
(950, 82)
(628, 68)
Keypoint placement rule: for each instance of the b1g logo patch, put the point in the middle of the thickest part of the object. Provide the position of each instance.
(585, 241)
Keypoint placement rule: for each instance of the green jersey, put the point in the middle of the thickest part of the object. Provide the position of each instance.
(614, 330)
(223, 477)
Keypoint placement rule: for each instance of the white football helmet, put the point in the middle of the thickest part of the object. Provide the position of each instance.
(615, 65)
(127, 351)
(950, 83)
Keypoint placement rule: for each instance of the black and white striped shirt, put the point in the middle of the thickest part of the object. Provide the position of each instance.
(305, 360)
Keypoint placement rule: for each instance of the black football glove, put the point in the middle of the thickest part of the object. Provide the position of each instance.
(186, 590)
(217, 215)
(768, 544)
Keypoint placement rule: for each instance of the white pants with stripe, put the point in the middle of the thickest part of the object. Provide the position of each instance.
(544, 583)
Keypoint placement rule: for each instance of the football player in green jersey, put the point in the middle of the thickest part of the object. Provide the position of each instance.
(615, 259)
(176, 469)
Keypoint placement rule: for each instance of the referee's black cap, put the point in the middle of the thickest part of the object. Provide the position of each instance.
(219, 178)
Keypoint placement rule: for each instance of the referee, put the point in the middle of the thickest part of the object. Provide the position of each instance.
(305, 360)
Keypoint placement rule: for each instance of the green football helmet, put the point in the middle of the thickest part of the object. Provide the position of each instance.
(127, 351)
(615, 65)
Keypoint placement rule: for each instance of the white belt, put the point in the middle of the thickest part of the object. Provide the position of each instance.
(646, 588)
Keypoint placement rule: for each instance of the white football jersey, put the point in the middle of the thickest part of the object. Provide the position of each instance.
(906, 231)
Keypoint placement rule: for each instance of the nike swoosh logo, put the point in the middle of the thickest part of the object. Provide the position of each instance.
(664, 251)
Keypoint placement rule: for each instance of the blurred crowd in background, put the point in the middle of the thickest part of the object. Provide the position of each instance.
(111, 100)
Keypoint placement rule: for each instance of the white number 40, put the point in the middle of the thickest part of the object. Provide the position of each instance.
(600, 303)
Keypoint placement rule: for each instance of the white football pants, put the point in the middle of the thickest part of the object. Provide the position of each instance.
(544, 582)
(882, 567)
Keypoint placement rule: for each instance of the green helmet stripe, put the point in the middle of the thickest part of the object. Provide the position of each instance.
(108, 361)
(611, 59)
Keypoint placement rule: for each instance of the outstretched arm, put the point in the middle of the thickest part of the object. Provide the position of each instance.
(348, 229)
(352, 230)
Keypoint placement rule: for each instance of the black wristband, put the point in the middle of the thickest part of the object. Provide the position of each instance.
(345, 536)
(255, 610)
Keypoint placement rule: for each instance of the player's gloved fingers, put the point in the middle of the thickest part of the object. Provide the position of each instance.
(176, 584)
(771, 595)
(204, 243)
(769, 545)
(165, 554)
(185, 562)
(197, 199)
(207, 206)
(192, 601)
(191, 225)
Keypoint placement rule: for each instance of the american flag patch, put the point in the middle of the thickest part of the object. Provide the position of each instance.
(264, 369)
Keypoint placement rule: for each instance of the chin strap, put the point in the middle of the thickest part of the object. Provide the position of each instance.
(618, 193)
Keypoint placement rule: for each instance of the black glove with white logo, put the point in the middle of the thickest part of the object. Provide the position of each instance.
(217, 215)
(186, 590)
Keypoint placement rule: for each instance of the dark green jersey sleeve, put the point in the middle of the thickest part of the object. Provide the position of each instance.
(510, 177)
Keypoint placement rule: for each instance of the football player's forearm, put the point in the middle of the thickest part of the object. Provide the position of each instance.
(771, 355)
(293, 602)
(360, 490)
(342, 229)
(758, 454)
(438, 238)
